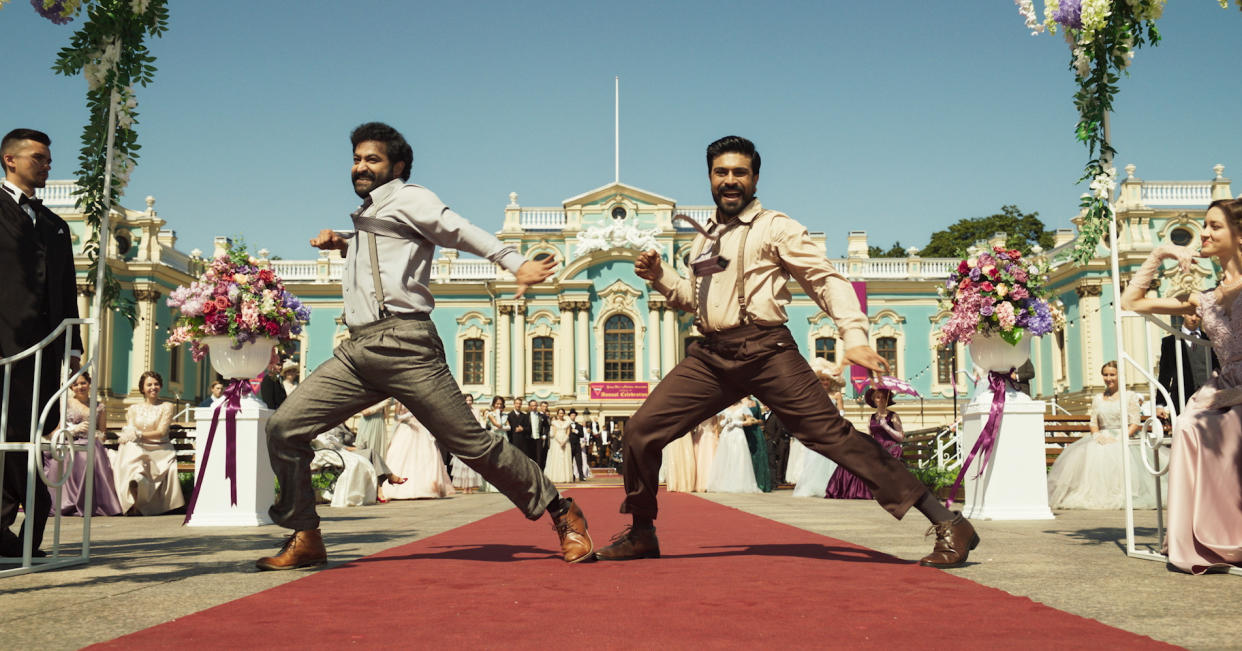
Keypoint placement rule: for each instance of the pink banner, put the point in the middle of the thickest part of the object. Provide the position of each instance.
(859, 375)
(619, 390)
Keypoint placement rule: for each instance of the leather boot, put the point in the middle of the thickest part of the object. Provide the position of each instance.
(954, 540)
(571, 527)
(302, 549)
(630, 544)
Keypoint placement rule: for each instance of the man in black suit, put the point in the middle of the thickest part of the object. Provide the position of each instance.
(38, 292)
(576, 434)
(777, 438)
(540, 423)
(519, 430)
(1195, 367)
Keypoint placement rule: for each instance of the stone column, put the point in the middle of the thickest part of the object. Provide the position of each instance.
(671, 344)
(519, 349)
(1091, 336)
(582, 358)
(144, 338)
(654, 341)
(503, 336)
(85, 294)
(565, 351)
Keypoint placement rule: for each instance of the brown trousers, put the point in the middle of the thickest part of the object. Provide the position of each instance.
(762, 361)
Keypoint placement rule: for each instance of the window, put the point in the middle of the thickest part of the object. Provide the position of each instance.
(946, 361)
(472, 361)
(1181, 236)
(1063, 372)
(826, 347)
(541, 360)
(887, 348)
(618, 348)
(174, 366)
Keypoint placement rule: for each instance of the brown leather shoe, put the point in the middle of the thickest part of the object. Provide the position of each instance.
(630, 544)
(954, 540)
(302, 549)
(571, 527)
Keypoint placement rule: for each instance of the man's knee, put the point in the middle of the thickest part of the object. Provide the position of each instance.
(280, 425)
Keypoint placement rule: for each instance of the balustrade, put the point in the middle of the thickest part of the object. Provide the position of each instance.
(535, 219)
(1177, 193)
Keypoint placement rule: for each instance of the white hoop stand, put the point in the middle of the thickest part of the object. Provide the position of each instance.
(1015, 484)
(255, 479)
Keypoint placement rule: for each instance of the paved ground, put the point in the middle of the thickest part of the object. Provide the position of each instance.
(145, 571)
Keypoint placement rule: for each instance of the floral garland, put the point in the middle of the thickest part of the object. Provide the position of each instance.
(1102, 35)
(235, 297)
(109, 51)
(998, 292)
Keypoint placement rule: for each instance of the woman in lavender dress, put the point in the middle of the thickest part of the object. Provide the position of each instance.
(886, 430)
(1205, 462)
(73, 493)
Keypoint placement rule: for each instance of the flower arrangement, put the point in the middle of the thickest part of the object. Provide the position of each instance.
(235, 297)
(1102, 35)
(997, 292)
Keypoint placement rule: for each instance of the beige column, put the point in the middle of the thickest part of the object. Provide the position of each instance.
(671, 345)
(85, 293)
(1091, 336)
(653, 340)
(504, 335)
(519, 350)
(582, 359)
(565, 352)
(143, 355)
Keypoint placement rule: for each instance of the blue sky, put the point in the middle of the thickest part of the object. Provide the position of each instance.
(894, 118)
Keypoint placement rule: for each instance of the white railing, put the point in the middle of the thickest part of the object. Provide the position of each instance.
(939, 268)
(700, 215)
(542, 219)
(177, 260)
(59, 193)
(472, 270)
(296, 270)
(1176, 193)
(885, 268)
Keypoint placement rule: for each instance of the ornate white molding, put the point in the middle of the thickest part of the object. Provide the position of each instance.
(619, 235)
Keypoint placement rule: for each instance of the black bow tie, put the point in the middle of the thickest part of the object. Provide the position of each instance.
(30, 201)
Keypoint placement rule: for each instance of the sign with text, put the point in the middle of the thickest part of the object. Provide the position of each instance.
(618, 390)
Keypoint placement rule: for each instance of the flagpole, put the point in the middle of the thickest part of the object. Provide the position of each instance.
(616, 129)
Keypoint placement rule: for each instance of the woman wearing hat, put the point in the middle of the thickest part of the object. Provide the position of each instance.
(813, 470)
(886, 430)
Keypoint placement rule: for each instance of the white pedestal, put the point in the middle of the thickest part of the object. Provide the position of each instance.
(1015, 484)
(256, 483)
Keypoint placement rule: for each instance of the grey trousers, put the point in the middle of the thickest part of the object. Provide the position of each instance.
(402, 358)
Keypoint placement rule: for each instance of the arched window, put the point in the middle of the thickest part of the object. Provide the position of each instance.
(826, 347)
(541, 360)
(472, 361)
(618, 348)
(946, 358)
(887, 348)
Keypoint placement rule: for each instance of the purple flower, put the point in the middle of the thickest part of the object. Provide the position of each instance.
(986, 309)
(1069, 13)
(974, 274)
(55, 13)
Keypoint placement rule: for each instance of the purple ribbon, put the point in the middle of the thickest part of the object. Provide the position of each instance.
(986, 442)
(233, 394)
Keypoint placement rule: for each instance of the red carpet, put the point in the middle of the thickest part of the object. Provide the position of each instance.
(727, 579)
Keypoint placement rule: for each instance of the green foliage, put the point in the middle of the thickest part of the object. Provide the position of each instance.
(935, 478)
(894, 251)
(1024, 231)
(109, 50)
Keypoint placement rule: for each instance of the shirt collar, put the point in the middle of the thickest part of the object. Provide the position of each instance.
(13, 190)
(383, 193)
(747, 215)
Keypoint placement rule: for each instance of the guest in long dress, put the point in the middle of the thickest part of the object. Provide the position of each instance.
(679, 465)
(358, 484)
(373, 428)
(73, 492)
(753, 427)
(465, 479)
(886, 430)
(559, 465)
(814, 469)
(705, 436)
(1205, 463)
(414, 456)
(732, 470)
(145, 469)
(1088, 474)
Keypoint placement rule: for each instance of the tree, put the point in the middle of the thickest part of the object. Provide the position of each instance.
(1023, 231)
(895, 251)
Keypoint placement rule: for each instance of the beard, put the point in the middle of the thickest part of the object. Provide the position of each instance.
(365, 182)
(725, 206)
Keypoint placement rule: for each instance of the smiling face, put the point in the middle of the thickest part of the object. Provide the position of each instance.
(151, 388)
(1110, 378)
(733, 183)
(1218, 237)
(372, 167)
(81, 388)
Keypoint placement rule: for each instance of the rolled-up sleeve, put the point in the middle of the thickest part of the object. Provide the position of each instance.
(807, 264)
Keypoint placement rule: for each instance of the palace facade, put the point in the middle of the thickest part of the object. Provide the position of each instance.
(595, 336)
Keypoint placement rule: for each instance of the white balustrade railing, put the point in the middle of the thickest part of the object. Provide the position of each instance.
(885, 268)
(296, 270)
(472, 270)
(941, 268)
(59, 193)
(177, 260)
(537, 219)
(1176, 193)
(700, 215)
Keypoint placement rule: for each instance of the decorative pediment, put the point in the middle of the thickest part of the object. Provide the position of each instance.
(618, 190)
(887, 314)
(619, 296)
(473, 315)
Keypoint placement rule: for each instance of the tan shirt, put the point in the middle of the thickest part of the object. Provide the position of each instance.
(777, 249)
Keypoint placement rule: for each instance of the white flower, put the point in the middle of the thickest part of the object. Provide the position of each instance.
(1103, 184)
(140, 6)
(1082, 64)
(1027, 9)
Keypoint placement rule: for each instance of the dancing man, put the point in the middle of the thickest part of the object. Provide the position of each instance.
(393, 350)
(741, 263)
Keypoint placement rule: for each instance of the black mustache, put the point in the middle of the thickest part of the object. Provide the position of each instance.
(364, 175)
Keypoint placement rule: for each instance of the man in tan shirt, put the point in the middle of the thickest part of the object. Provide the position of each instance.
(741, 265)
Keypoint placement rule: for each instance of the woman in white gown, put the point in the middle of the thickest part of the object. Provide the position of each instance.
(1088, 474)
(413, 454)
(815, 469)
(732, 469)
(465, 479)
(357, 484)
(559, 466)
(145, 468)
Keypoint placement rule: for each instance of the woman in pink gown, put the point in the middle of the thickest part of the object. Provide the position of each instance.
(1205, 463)
(413, 454)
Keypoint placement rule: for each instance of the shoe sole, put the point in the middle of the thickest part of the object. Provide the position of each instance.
(655, 554)
(974, 542)
(276, 568)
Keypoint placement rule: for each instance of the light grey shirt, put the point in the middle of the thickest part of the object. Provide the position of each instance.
(405, 264)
